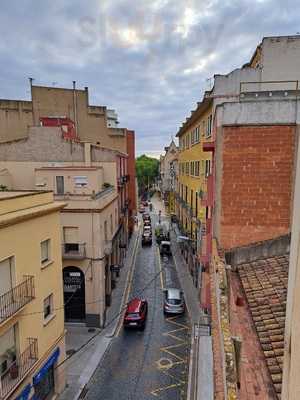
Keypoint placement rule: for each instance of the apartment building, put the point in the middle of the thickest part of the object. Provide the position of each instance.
(131, 179)
(70, 110)
(252, 108)
(193, 211)
(93, 243)
(168, 164)
(254, 147)
(32, 337)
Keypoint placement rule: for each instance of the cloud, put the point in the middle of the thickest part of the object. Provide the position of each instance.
(149, 60)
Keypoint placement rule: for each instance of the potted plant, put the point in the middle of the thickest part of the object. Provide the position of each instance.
(14, 368)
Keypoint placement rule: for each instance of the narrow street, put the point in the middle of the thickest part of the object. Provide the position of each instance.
(152, 363)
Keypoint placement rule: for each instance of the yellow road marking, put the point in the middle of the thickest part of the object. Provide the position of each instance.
(130, 283)
(160, 270)
(166, 367)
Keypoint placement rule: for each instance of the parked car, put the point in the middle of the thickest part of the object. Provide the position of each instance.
(147, 229)
(165, 248)
(174, 301)
(136, 314)
(141, 209)
(146, 238)
(146, 216)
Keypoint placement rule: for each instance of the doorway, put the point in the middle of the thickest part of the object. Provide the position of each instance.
(74, 294)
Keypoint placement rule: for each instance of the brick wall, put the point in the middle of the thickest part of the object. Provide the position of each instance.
(257, 181)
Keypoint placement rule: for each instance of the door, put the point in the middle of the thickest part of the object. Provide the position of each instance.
(74, 294)
(5, 276)
(60, 186)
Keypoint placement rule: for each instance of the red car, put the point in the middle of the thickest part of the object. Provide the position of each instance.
(136, 314)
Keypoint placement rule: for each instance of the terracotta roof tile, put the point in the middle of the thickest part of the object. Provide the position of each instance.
(265, 285)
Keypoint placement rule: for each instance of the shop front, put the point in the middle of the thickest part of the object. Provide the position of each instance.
(43, 381)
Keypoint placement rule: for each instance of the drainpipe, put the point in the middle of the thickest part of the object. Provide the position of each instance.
(33, 114)
(75, 107)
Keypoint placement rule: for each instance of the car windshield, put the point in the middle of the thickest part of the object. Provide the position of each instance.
(133, 315)
(174, 302)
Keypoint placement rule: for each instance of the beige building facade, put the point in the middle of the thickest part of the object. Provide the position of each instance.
(32, 337)
(52, 106)
(93, 241)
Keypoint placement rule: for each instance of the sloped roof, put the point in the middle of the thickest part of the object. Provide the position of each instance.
(265, 284)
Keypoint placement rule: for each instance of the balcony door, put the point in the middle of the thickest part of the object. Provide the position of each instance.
(60, 185)
(5, 276)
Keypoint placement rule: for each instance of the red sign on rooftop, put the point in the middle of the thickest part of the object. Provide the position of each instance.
(66, 124)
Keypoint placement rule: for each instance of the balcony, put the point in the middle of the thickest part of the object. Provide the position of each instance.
(73, 251)
(18, 368)
(123, 180)
(16, 298)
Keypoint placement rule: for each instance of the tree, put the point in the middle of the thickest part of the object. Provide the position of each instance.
(146, 171)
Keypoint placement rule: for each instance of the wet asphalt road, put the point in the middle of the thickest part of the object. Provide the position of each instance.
(149, 364)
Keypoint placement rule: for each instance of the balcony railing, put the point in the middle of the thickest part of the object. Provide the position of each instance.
(18, 368)
(16, 298)
(73, 251)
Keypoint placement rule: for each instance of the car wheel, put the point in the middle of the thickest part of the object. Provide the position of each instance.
(143, 326)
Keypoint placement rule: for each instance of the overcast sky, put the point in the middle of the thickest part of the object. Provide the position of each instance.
(150, 60)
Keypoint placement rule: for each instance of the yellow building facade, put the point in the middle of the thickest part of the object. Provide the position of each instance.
(194, 167)
(32, 338)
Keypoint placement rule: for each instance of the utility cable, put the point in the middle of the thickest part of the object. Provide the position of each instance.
(109, 323)
(73, 294)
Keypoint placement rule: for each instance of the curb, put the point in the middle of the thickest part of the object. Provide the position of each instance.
(128, 280)
(81, 391)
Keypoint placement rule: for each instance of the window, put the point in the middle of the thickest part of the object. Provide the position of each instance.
(80, 181)
(71, 239)
(45, 251)
(187, 168)
(193, 137)
(111, 224)
(203, 128)
(197, 138)
(209, 126)
(60, 186)
(197, 168)
(105, 230)
(48, 306)
(207, 167)
(193, 168)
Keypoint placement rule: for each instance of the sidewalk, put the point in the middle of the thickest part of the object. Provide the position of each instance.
(81, 366)
(201, 358)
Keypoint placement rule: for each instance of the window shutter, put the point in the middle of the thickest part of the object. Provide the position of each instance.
(71, 235)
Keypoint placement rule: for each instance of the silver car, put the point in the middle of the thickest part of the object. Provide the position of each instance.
(174, 301)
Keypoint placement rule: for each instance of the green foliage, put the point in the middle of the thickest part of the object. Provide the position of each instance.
(146, 171)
